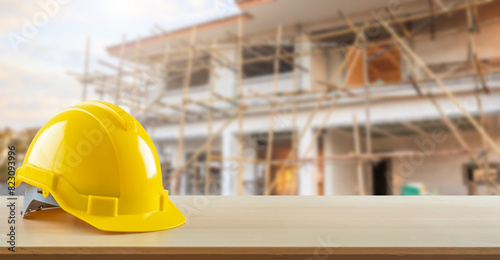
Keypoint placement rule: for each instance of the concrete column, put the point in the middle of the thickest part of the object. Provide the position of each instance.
(328, 165)
(229, 168)
(340, 176)
(308, 172)
(304, 78)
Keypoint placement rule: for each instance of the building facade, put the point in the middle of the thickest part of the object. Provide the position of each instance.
(344, 106)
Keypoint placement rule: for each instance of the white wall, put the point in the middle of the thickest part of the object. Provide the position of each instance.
(308, 175)
(453, 46)
(441, 174)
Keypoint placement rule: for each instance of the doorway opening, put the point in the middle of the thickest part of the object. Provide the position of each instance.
(382, 178)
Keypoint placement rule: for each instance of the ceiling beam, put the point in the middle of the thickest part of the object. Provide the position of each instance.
(414, 128)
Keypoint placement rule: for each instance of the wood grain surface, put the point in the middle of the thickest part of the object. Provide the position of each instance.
(284, 225)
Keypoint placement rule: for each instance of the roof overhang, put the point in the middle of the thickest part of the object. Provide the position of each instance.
(155, 39)
(243, 4)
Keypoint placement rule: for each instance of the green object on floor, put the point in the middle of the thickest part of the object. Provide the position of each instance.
(410, 190)
(413, 189)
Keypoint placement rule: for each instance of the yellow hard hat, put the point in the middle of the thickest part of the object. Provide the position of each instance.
(101, 166)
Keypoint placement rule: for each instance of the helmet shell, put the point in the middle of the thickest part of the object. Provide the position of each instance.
(100, 165)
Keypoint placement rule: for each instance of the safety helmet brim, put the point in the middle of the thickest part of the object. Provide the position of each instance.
(171, 217)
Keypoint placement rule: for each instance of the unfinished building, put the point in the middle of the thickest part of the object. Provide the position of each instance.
(293, 97)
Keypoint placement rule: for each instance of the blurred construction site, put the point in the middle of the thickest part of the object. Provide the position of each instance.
(292, 97)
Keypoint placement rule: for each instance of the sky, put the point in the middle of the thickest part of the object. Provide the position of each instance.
(41, 41)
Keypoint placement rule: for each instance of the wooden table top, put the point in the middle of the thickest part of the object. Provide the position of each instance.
(284, 225)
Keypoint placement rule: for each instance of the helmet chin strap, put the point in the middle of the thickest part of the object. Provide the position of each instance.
(34, 201)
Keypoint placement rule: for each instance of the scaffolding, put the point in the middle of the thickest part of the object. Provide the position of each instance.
(132, 80)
